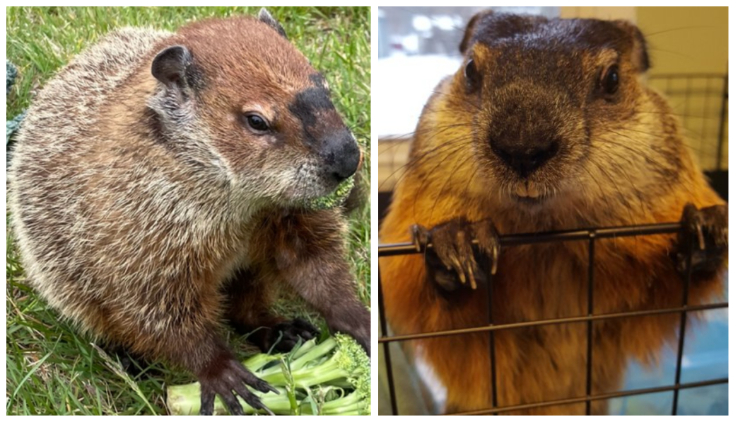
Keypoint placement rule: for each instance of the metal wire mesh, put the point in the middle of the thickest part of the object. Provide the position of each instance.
(592, 235)
(702, 101)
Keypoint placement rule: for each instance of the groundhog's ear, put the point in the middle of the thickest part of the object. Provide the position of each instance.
(267, 19)
(639, 55)
(469, 32)
(171, 65)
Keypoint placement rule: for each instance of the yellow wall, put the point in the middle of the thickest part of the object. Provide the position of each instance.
(686, 39)
(683, 40)
(691, 40)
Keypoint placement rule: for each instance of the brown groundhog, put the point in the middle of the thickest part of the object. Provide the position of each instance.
(158, 187)
(546, 126)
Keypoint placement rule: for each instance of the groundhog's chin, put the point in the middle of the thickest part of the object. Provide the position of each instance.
(308, 189)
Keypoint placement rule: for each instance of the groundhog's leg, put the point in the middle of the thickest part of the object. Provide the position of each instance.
(453, 260)
(708, 231)
(310, 256)
(250, 298)
(185, 331)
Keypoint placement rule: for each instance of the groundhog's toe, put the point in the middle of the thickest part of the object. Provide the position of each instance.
(705, 233)
(228, 378)
(284, 336)
(453, 259)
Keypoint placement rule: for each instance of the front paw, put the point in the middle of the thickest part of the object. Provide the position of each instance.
(285, 335)
(707, 230)
(229, 379)
(453, 261)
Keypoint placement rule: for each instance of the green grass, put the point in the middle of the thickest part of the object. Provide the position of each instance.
(50, 368)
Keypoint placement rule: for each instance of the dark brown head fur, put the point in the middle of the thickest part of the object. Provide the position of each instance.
(543, 96)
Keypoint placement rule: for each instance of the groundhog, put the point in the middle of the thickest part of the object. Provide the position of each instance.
(159, 186)
(548, 125)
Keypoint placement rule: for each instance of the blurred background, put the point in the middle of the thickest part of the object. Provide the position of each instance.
(688, 47)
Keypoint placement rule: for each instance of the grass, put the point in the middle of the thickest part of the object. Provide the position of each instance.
(50, 368)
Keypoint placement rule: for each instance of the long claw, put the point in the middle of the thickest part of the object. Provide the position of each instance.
(456, 265)
(461, 274)
(418, 237)
(701, 239)
(267, 410)
(453, 258)
(495, 256)
(471, 276)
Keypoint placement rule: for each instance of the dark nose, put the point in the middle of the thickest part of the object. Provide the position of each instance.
(341, 155)
(524, 158)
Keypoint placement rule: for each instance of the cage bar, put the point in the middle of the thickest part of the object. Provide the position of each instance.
(491, 318)
(386, 347)
(722, 127)
(590, 323)
(396, 249)
(558, 321)
(592, 235)
(599, 397)
(683, 323)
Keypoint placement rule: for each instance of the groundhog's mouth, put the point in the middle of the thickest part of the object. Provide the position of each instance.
(528, 192)
(528, 200)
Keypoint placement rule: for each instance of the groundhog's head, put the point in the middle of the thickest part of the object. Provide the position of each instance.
(241, 91)
(558, 112)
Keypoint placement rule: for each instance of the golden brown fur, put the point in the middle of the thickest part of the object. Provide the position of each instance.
(621, 163)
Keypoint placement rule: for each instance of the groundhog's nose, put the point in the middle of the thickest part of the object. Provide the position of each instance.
(524, 158)
(341, 155)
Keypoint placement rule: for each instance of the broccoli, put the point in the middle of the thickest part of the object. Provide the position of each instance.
(330, 378)
(334, 199)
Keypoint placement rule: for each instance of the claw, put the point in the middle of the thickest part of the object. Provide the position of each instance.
(266, 387)
(701, 239)
(472, 281)
(461, 274)
(495, 256)
(419, 237)
(704, 229)
(454, 259)
(266, 409)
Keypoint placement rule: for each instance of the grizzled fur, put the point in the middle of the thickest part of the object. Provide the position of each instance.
(535, 88)
(147, 210)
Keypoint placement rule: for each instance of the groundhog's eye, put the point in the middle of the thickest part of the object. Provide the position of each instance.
(257, 122)
(473, 78)
(611, 80)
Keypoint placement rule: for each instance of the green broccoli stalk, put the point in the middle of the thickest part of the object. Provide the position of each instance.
(331, 378)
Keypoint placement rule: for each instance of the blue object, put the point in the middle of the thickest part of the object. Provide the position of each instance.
(12, 125)
(706, 356)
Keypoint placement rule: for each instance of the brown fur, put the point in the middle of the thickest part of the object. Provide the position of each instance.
(154, 211)
(620, 163)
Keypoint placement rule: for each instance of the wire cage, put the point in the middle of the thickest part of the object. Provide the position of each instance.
(710, 93)
(701, 101)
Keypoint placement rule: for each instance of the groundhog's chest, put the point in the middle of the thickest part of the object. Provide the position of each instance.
(539, 282)
(536, 282)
